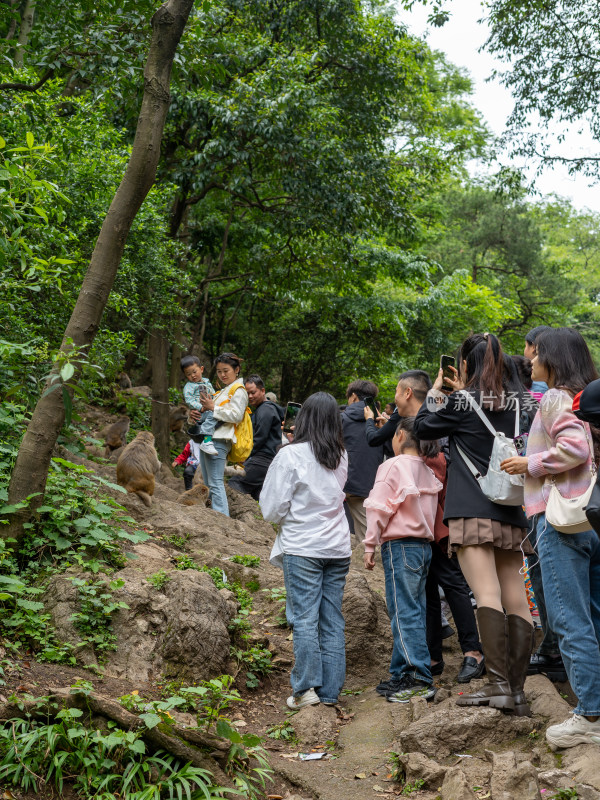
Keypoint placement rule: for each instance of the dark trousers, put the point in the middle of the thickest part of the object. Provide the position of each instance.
(256, 470)
(445, 572)
(188, 476)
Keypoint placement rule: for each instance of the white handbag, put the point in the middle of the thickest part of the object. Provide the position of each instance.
(497, 486)
(567, 514)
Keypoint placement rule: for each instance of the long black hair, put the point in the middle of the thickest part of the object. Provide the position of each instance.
(486, 368)
(320, 424)
(424, 449)
(566, 356)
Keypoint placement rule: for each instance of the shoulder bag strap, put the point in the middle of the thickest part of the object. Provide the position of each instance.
(477, 409)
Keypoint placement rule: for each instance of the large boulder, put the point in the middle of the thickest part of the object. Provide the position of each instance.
(179, 630)
(451, 729)
(513, 777)
(368, 634)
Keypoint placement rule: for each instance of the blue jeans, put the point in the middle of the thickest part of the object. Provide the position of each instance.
(549, 644)
(315, 589)
(571, 575)
(405, 565)
(213, 472)
(208, 423)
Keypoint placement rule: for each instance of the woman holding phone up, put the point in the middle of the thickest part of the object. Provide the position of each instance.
(488, 537)
(303, 493)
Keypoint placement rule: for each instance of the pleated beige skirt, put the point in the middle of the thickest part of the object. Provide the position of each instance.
(466, 531)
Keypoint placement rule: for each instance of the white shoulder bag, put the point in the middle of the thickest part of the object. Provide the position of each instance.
(497, 486)
(567, 514)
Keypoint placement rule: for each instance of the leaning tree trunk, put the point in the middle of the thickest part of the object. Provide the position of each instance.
(31, 469)
(159, 354)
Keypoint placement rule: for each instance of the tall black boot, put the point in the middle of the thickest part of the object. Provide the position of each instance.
(497, 692)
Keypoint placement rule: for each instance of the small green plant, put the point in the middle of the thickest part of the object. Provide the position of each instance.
(278, 596)
(409, 788)
(208, 700)
(178, 540)
(283, 731)
(159, 579)
(247, 561)
(257, 660)
(534, 735)
(565, 794)
(97, 606)
(397, 770)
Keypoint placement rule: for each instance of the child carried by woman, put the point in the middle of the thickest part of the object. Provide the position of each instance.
(401, 512)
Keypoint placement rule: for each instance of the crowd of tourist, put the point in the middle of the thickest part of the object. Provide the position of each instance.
(456, 483)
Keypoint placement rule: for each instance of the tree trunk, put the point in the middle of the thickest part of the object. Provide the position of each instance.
(159, 353)
(175, 371)
(31, 469)
(24, 31)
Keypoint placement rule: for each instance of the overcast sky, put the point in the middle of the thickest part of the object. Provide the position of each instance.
(460, 39)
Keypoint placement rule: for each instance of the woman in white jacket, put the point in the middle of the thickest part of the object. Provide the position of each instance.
(228, 411)
(304, 493)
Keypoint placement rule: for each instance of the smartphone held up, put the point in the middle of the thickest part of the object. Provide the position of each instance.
(446, 362)
(291, 412)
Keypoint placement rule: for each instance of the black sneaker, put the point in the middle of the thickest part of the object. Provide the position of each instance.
(550, 666)
(412, 688)
(386, 688)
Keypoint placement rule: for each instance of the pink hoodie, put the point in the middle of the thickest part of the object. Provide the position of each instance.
(402, 503)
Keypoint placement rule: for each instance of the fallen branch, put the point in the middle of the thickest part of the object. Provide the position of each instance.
(180, 741)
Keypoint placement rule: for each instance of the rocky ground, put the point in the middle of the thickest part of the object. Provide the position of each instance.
(367, 746)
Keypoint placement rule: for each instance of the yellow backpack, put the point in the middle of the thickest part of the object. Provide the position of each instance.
(242, 447)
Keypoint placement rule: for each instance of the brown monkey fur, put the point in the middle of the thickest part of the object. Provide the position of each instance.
(137, 466)
(178, 418)
(115, 435)
(123, 380)
(196, 496)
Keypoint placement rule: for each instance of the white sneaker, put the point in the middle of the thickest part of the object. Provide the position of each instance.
(209, 448)
(575, 730)
(309, 698)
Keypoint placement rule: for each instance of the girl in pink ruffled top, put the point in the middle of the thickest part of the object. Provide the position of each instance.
(401, 511)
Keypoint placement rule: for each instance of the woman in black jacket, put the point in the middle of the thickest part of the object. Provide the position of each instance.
(488, 538)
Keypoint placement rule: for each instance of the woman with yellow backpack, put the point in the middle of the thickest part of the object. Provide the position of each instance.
(233, 436)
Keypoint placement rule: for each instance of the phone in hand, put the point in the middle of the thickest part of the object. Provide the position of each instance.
(445, 363)
(291, 412)
(370, 403)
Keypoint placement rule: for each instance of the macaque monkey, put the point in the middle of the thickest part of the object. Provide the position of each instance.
(123, 380)
(137, 466)
(178, 418)
(115, 435)
(196, 496)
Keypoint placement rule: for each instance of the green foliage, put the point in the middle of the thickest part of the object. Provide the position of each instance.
(256, 660)
(409, 788)
(93, 621)
(109, 765)
(77, 526)
(283, 731)
(208, 700)
(247, 561)
(551, 49)
(565, 794)
(278, 596)
(159, 579)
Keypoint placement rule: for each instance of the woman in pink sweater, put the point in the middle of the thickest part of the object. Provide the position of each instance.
(560, 447)
(401, 512)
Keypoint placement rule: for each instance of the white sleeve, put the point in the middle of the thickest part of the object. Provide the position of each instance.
(278, 489)
(234, 410)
